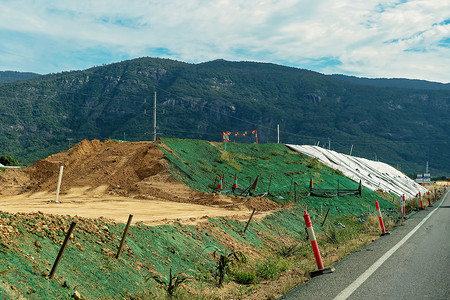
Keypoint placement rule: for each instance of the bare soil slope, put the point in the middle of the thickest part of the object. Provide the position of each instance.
(113, 179)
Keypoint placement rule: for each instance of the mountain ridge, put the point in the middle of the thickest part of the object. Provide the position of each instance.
(45, 114)
(12, 76)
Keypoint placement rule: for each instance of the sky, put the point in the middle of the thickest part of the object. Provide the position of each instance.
(364, 38)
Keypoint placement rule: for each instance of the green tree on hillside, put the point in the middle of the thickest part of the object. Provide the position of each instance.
(8, 161)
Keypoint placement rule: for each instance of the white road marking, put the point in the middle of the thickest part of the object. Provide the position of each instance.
(361, 279)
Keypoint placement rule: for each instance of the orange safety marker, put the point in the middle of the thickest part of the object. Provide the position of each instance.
(404, 206)
(220, 185)
(383, 229)
(429, 199)
(421, 203)
(235, 185)
(312, 237)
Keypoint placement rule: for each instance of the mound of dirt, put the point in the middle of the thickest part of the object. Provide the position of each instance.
(93, 163)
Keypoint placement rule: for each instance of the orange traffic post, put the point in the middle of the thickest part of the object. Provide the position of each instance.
(421, 203)
(380, 218)
(404, 206)
(312, 237)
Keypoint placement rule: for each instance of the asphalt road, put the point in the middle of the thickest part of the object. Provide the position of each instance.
(411, 263)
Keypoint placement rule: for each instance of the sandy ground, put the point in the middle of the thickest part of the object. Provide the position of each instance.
(149, 212)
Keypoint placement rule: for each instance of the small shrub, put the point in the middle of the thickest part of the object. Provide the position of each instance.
(286, 251)
(224, 261)
(206, 168)
(172, 283)
(333, 235)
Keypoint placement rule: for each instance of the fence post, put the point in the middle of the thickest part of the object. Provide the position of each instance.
(248, 222)
(61, 251)
(124, 235)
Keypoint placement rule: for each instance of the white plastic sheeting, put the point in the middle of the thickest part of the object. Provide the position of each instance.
(374, 175)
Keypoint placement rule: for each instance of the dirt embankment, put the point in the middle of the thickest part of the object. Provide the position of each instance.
(114, 172)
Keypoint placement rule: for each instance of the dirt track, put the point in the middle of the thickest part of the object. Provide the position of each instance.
(113, 180)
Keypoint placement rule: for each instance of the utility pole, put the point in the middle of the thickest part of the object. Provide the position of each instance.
(351, 149)
(278, 132)
(154, 118)
(427, 169)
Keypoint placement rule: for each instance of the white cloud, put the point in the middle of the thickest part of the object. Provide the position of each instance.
(365, 38)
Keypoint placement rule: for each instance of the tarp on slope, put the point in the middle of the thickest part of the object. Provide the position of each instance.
(374, 175)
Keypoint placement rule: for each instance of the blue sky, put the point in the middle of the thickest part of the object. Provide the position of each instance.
(407, 39)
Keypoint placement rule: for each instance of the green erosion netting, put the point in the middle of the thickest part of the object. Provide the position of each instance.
(29, 243)
(88, 264)
(199, 164)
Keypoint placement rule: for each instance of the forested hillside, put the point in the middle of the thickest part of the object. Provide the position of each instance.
(11, 76)
(404, 127)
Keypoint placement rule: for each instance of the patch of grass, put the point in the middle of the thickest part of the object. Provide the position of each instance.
(244, 277)
(271, 268)
(276, 153)
(235, 166)
(226, 156)
(314, 164)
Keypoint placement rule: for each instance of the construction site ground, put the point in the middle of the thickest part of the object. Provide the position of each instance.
(113, 180)
(181, 222)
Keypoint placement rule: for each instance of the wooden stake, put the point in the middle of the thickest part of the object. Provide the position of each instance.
(338, 188)
(58, 187)
(124, 236)
(61, 251)
(295, 191)
(290, 188)
(248, 223)
(270, 181)
(324, 219)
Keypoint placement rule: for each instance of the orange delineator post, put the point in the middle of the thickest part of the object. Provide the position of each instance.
(421, 203)
(404, 205)
(380, 218)
(312, 238)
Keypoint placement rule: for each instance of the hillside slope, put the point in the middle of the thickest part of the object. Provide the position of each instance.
(277, 251)
(43, 115)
